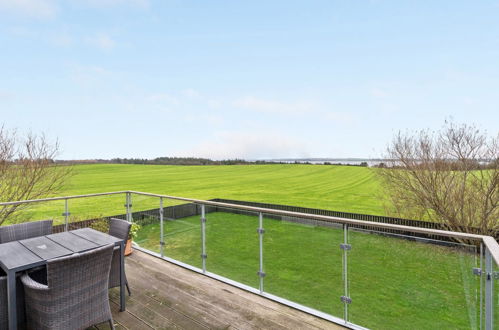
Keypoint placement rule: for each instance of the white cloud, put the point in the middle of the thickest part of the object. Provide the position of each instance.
(271, 106)
(163, 98)
(102, 41)
(60, 39)
(30, 8)
(191, 93)
(378, 93)
(339, 117)
(53, 37)
(247, 145)
(113, 3)
(6, 95)
(468, 100)
(88, 75)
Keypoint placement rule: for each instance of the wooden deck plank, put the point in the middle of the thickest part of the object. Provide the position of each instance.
(168, 296)
(143, 312)
(175, 316)
(220, 299)
(127, 319)
(176, 296)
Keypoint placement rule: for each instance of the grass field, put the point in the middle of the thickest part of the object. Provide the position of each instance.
(340, 188)
(394, 283)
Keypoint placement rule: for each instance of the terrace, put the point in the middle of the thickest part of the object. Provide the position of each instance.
(169, 296)
(208, 264)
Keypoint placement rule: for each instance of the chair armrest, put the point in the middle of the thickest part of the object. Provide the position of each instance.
(28, 282)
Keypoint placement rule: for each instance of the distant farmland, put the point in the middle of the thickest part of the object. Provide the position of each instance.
(340, 188)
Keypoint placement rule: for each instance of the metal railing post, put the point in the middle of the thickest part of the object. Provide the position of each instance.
(345, 246)
(161, 240)
(261, 231)
(203, 238)
(66, 215)
(489, 291)
(128, 206)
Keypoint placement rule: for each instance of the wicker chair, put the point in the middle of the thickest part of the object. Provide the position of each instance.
(25, 230)
(4, 320)
(14, 233)
(119, 229)
(72, 294)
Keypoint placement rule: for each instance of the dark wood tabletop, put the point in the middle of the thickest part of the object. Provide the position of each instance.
(32, 252)
(72, 242)
(15, 256)
(95, 236)
(45, 248)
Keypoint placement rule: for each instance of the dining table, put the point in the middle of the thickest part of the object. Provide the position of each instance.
(20, 256)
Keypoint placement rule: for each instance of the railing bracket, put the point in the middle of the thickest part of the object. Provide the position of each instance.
(128, 205)
(66, 214)
(345, 247)
(162, 243)
(346, 300)
(260, 230)
(477, 271)
(203, 219)
(261, 274)
(204, 256)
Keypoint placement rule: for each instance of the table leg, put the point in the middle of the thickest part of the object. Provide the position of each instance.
(12, 304)
(122, 277)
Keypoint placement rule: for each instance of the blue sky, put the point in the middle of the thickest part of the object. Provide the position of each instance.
(246, 79)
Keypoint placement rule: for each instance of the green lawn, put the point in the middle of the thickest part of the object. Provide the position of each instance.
(394, 283)
(341, 188)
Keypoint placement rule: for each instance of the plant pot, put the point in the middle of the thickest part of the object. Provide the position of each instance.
(128, 247)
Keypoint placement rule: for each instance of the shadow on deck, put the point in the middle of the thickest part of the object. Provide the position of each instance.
(166, 296)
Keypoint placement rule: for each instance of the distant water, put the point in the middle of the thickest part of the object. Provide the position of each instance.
(342, 161)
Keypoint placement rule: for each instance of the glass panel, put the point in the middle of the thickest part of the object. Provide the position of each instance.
(94, 211)
(303, 262)
(495, 303)
(182, 231)
(232, 244)
(397, 282)
(38, 211)
(145, 212)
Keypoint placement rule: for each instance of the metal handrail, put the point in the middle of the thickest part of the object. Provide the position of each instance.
(61, 198)
(488, 241)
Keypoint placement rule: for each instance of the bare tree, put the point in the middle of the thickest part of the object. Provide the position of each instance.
(27, 170)
(449, 176)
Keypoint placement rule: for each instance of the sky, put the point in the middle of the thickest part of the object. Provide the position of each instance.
(244, 79)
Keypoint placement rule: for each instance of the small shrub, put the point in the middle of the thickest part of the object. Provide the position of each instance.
(134, 230)
(101, 225)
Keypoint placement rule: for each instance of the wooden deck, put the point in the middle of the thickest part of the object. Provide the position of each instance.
(166, 296)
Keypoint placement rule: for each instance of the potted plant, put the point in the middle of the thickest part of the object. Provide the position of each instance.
(134, 230)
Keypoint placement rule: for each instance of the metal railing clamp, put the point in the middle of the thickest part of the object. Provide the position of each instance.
(345, 247)
(260, 230)
(204, 256)
(477, 271)
(261, 274)
(346, 300)
(66, 214)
